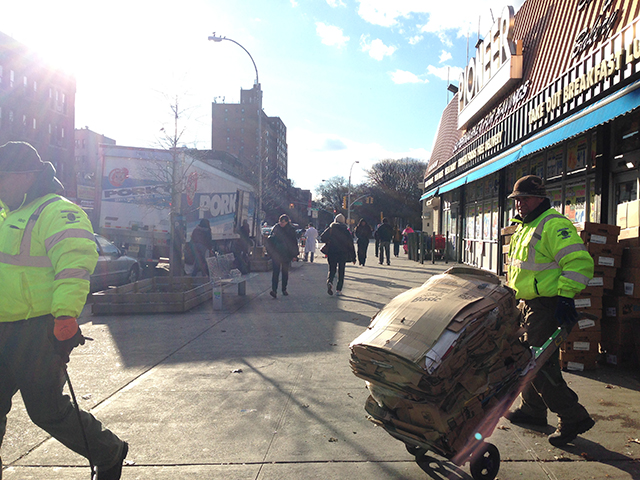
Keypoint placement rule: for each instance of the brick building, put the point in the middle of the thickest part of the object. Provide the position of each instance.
(234, 129)
(37, 105)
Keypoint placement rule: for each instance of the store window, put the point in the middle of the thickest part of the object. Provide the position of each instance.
(555, 195)
(555, 163)
(576, 202)
(577, 154)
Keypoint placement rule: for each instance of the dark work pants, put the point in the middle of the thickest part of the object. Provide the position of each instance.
(385, 248)
(548, 389)
(28, 363)
(339, 265)
(363, 245)
(284, 266)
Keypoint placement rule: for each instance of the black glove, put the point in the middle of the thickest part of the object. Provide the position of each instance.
(566, 313)
(63, 348)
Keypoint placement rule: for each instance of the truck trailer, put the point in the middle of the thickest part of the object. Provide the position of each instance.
(138, 190)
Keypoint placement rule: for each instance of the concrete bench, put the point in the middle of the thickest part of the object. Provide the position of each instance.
(220, 273)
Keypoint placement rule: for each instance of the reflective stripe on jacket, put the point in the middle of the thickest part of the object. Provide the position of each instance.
(47, 253)
(547, 258)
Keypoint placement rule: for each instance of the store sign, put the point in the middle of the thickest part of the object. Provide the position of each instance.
(496, 66)
(595, 74)
(602, 28)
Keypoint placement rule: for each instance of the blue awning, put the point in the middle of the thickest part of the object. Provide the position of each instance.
(430, 194)
(600, 112)
(621, 102)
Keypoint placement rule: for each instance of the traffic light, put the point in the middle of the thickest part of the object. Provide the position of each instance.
(368, 200)
(291, 205)
(344, 202)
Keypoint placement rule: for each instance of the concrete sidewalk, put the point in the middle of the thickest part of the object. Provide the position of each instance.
(263, 391)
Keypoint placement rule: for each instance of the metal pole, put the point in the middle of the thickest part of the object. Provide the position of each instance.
(219, 39)
(349, 195)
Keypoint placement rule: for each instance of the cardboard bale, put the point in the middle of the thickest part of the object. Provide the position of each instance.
(582, 342)
(434, 351)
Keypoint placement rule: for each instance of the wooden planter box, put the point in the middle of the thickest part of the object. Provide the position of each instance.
(153, 295)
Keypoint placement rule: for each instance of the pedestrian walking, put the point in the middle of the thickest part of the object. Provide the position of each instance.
(311, 239)
(385, 234)
(363, 234)
(549, 265)
(47, 253)
(340, 250)
(376, 239)
(397, 240)
(405, 237)
(201, 243)
(282, 246)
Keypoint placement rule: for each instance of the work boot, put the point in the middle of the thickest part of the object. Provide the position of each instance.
(115, 472)
(569, 431)
(518, 416)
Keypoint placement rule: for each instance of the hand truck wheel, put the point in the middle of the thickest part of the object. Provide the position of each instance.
(485, 462)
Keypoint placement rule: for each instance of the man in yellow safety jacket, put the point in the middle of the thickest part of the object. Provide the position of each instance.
(548, 265)
(47, 253)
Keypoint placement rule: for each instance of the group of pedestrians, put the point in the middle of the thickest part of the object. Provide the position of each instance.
(339, 248)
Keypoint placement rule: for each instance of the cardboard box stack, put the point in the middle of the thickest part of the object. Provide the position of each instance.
(622, 312)
(438, 357)
(582, 348)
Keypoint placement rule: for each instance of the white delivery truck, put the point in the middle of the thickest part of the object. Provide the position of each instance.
(135, 200)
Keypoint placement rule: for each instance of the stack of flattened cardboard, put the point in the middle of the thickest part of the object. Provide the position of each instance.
(438, 357)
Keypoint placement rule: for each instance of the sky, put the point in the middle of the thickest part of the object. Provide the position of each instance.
(352, 80)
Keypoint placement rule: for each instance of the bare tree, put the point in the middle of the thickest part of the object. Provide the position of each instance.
(395, 185)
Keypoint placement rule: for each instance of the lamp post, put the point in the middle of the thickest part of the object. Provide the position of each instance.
(349, 195)
(215, 38)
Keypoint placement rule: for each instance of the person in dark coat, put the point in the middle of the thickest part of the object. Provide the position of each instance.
(201, 242)
(340, 251)
(397, 240)
(363, 234)
(282, 246)
(385, 234)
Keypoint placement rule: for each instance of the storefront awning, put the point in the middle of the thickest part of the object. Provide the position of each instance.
(600, 112)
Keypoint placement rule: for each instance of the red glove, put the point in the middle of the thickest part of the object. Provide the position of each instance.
(67, 336)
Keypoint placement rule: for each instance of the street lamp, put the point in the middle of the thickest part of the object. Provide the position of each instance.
(349, 195)
(215, 38)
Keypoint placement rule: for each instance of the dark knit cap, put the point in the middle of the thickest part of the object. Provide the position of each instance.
(529, 186)
(19, 157)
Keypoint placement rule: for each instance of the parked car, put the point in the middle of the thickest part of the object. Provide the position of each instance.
(114, 268)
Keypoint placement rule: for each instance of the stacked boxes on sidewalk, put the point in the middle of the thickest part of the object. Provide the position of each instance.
(622, 312)
(581, 349)
(438, 358)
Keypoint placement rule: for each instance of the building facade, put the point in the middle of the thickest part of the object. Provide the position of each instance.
(553, 90)
(37, 105)
(234, 129)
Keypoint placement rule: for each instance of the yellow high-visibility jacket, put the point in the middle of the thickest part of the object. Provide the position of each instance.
(547, 258)
(47, 253)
